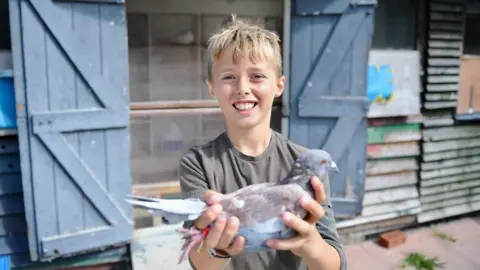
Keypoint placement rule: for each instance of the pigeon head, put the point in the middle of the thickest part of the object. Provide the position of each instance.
(316, 160)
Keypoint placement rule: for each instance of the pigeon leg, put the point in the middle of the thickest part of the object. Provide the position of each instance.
(192, 238)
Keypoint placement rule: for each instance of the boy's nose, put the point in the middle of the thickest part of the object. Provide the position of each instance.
(243, 86)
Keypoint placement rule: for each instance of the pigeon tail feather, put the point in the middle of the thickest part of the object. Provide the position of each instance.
(172, 211)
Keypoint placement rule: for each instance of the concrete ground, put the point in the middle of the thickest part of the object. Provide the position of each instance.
(463, 254)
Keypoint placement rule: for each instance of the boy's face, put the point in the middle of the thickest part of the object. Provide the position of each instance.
(245, 90)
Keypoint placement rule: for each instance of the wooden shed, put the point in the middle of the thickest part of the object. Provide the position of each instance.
(100, 98)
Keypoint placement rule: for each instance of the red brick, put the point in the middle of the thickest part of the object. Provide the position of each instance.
(392, 239)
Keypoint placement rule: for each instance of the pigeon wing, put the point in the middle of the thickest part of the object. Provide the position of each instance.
(260, 207)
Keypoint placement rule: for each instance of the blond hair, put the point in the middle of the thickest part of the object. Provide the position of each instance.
(246, 39)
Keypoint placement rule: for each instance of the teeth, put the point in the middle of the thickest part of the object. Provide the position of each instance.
(244, 106)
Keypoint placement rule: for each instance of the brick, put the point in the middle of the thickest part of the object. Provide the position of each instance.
(392, 239)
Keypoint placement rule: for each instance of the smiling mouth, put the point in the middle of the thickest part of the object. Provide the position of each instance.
(245, 106)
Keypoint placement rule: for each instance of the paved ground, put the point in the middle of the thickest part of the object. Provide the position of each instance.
(463, 254)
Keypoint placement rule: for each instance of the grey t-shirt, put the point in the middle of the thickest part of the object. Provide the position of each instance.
(219, 166)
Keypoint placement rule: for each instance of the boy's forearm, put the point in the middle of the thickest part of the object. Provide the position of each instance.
(202, 261)
(325, 257)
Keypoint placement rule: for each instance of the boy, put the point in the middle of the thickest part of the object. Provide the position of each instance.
(245, 76)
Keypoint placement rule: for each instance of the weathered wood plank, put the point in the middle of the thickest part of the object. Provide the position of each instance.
(363, 219)
(445, 36)
(430, 147)
(449, 179)
(9, 163)
(8, 145)
(450, 26)
(449, 171)
(441, 97)
(390, 195)
(443, 79)
(441, 62)
(376, 226)
(449, 187)
(390, 180)
(450, 154)
(446, 7)
(444, 71)
(394, 133)
(444, 53)
(399, 206)
(449, 195)
(446, 133)
(10, 183)
(11, 204)
(450, 163)
(389, 150)
(375, 167)
(399, 120)
(438, 16)
(448, 211)
(8, 132)
(451, 202)
(13, 224)
(442, 87)
(432, 119)
(439, 104)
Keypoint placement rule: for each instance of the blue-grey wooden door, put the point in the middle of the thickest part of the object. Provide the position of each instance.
(330, 42)
(70, 62)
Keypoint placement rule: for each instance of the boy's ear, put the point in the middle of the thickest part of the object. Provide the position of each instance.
(280, 86)
(210, 88)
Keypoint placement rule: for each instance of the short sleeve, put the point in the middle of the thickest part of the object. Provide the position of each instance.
(193, 180)
(327, 227)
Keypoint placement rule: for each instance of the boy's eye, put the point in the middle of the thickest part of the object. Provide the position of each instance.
(228, 77)
(258, 76)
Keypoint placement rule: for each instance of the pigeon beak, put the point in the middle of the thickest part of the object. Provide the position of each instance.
(334, 167)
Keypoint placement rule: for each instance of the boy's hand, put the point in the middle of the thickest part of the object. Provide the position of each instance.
(307, 234)
(221, 234)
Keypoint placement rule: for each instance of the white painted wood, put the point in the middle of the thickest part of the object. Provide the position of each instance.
(430, 147)
(157, 248)
(455, 132)
(210, 7)
(393, 150)
(449, 188)
(390, 195)
(376, 182)
(450, 163)
(449, 179)
(449, 195)
(454, 210)
(449, 171)
(363, 219)
(450, 202)
(385, 208)
(453, 154)
(375, 167)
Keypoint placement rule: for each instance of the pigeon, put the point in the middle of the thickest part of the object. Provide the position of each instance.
(258, 207)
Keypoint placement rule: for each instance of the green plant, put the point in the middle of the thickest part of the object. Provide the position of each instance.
(420, 262)
(443, 236)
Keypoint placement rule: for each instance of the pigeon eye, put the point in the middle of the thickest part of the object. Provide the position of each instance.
(323, 161)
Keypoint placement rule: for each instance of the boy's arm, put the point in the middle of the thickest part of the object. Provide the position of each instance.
(193, 184)
(327, 228)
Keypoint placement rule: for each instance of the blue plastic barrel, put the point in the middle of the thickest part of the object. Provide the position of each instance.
(8, 114)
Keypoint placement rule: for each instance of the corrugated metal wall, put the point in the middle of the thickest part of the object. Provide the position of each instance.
(450, 170)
